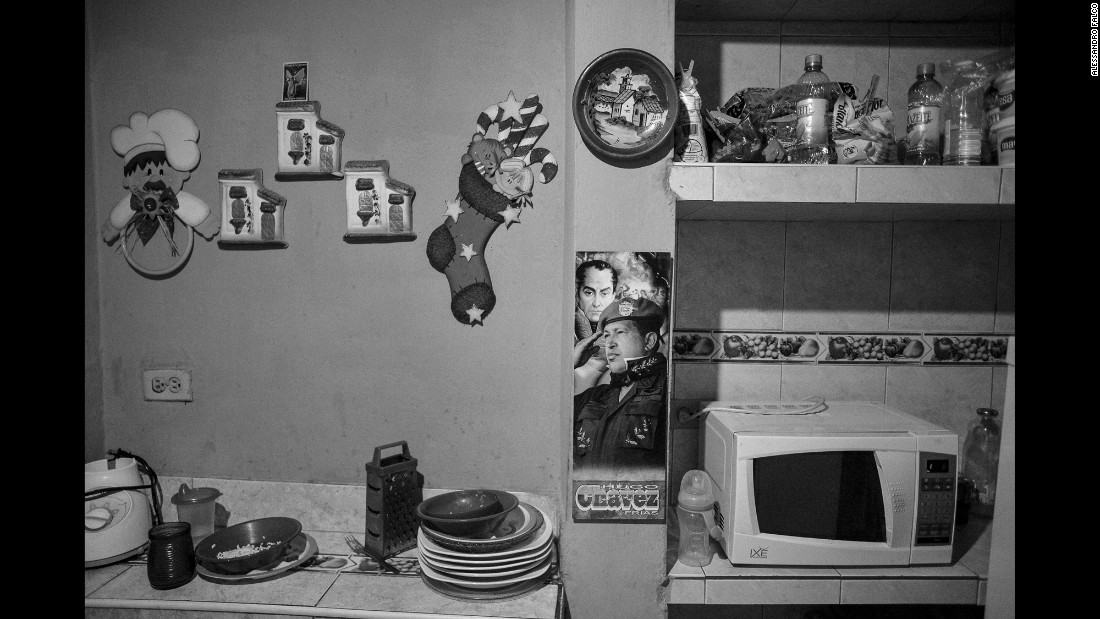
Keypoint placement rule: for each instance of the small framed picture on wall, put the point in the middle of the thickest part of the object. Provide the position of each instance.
(295, 81)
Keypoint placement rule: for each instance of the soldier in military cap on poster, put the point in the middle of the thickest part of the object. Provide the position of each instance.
(621, 424)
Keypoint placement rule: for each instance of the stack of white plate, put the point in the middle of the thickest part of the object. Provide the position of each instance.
(512, 560)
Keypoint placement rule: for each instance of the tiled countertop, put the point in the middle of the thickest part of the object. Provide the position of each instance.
(304, 594)
(962, 582)
(326, 512)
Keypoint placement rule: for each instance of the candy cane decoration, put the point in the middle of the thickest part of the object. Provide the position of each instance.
(549, 164)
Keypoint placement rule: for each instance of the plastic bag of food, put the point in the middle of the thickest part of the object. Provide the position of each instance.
(736, 141)
(867, 135)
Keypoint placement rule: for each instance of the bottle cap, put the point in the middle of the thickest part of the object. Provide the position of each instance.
(695, 492)
(813, 59)
(928, 68)
(988, 412)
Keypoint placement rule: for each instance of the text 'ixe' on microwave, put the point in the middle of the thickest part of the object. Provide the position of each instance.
(842, 483)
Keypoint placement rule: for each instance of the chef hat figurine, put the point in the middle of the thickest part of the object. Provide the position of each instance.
(158, 154)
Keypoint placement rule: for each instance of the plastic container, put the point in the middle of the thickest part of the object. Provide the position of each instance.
(695, 509)
(981, 454)
(196, 507)
(171, 555)
(1005, 83)
(1004, 137)
(963, 125)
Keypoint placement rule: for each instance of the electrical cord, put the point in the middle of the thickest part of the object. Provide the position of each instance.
(143, 467)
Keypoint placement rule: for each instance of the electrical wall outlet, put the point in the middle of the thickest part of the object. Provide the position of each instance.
(167, 385)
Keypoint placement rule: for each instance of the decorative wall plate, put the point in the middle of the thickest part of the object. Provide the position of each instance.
(309, 147)
(625, 105)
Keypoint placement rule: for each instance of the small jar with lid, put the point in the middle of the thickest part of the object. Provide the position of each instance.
(196, 506)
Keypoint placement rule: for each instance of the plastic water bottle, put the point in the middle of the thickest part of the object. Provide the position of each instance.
(695, 509)
(963, 126)
(924, 125)
(813, 142)
(981, 453)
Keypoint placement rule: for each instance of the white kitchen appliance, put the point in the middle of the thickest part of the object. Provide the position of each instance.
(840, 483)
(116, 523)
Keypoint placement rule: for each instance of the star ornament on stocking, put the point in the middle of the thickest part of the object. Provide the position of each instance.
(495, 183)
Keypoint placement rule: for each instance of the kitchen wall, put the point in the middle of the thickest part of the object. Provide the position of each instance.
(306, 358)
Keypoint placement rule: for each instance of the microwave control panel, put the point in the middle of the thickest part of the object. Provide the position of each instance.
(936, 498)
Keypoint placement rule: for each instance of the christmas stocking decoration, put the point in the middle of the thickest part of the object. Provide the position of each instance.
(494, 186)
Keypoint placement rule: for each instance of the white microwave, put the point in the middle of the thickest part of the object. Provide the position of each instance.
(841, 483)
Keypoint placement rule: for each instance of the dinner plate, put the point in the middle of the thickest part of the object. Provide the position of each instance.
(491, 582)
(625, 105)
(504, 569)
(303, 544)
(518, 526)
(491, 563)
(535, 543)
(507, 592)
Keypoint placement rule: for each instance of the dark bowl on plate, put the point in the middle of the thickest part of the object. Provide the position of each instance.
(269, 535)
(463, 504)
(466, 513)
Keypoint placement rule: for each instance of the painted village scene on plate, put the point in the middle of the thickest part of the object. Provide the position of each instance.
(624, 109)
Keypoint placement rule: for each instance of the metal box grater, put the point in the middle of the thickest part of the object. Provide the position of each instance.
(393, 492)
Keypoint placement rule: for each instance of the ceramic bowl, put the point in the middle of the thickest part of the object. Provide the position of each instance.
(274, 533)
(467, 512)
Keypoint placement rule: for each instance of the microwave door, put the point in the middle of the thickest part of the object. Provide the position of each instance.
(843, 499)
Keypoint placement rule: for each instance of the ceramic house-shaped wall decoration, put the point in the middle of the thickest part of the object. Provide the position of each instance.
(379, 209)
(251, 213)
(309, 147)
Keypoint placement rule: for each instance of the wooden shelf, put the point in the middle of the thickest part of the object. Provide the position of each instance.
(793, 192)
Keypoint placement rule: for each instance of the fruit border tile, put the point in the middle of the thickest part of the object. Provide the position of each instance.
(874, 348)
(767, 347)
(836, 347)
(968, 349)
(690, 345)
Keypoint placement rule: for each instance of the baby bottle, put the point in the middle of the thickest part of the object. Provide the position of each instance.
(695, 509)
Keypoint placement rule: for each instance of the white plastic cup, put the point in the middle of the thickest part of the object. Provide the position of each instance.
(1005, 140)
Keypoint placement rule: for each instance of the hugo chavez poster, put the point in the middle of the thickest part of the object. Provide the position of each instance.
(619, 444)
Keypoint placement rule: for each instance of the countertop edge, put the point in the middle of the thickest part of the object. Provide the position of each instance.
(273, 609)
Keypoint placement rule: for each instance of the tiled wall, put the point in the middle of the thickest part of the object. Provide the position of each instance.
(883, 277)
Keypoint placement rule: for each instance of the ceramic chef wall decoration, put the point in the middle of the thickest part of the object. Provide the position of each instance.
(495, 184)
(251, 213)
(309, 146)
(379, 208)
(156, 218)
